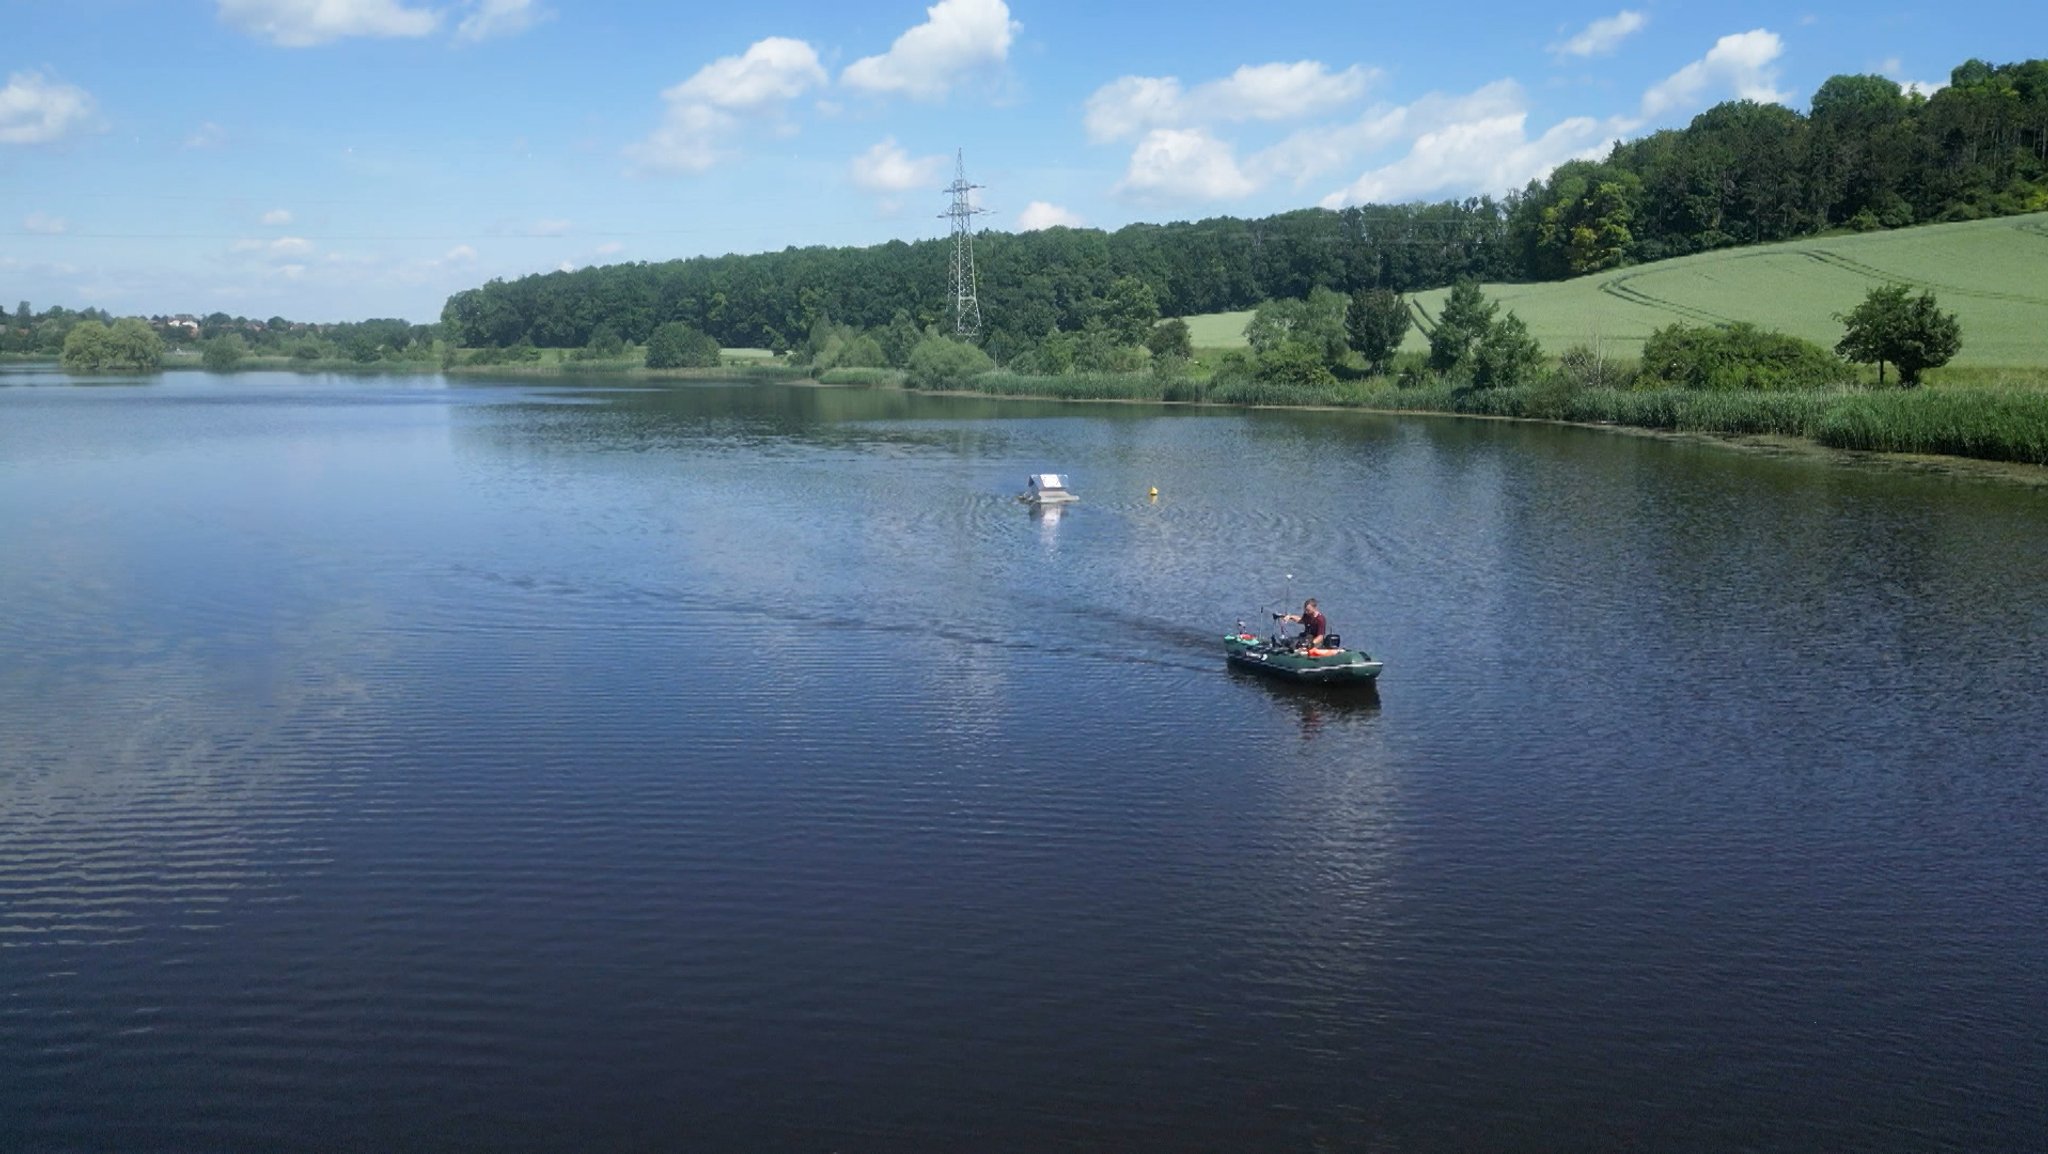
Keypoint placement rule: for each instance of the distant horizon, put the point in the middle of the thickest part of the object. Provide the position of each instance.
(368, 158)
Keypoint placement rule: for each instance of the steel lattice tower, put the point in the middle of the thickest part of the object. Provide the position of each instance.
(966, 310)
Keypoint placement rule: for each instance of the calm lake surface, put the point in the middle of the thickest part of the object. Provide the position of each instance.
(391, 763)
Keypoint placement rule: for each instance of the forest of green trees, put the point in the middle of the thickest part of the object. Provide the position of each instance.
(1867, 155)
(225, 339)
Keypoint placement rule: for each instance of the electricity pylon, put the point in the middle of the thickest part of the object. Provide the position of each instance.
(966, 310)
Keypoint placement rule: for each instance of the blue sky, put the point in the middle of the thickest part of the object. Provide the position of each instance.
(340, 159)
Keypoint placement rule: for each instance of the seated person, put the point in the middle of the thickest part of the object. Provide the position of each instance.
(1313, 625)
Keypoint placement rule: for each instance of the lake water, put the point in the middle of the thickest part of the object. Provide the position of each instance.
(390, 763)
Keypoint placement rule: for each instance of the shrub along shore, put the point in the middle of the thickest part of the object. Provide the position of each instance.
(1977, 414)
(1992, 423)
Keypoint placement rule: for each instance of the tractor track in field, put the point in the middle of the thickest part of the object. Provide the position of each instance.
(1850, 264)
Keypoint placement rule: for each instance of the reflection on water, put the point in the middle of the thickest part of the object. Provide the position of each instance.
(740, 766)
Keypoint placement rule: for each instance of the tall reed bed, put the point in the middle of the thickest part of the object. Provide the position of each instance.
(855, 375)
(1989, 424)
(1986, 422)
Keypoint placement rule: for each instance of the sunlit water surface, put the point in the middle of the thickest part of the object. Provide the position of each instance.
(387, 763)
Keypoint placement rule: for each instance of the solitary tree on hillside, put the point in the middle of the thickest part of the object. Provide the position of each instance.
(676, 345)
(1129, 310)
(1466, 317)
(1911, 333)
(1171, 340)
(1375, 323)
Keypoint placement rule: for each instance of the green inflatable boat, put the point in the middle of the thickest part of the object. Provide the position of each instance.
(1275, 657)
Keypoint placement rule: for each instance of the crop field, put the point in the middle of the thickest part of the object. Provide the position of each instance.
(1993, 274)
(1218, 330)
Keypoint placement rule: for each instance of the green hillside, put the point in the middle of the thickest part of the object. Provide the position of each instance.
(1993, 274)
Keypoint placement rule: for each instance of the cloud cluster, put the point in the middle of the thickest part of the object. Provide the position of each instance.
(492, 18)
(283, 248)
(888, 168)
(706, 110)
(925, 62)
(1273, 92)
(305, 23)
(1743, 63)
(1039, 214)
(1185, 164)
(1491, 152)
(1602, 36)
(1179, 153)
(759, 86)
(37, 110)
(1447, 143)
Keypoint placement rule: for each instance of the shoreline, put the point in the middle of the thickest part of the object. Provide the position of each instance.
(2024, 473)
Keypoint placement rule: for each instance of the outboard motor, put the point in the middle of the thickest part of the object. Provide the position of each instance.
(1332, 641)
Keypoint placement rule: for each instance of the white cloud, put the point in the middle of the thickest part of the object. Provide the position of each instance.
(1184, 164)
(611, 248)
(500, 18)
(460, 254)
(1456, 145)
(566, 266)
(1130, 105)
(549, 228)
(771, 72)
(888, 168)
(925, 62)
(277, 216)
(1318, 151)
(302, 23)
(1282, 91)
(284, 247)
(687, 141)
(1491, 153)
(37, 110)
(1127, 105)
(1742, 63)
(207, 135)
(1039, 214)
(1894, 70)
(1603, 36)
(43, 224)
(704, 110)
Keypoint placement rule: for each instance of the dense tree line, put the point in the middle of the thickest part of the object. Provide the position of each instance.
(1030, 284)
(31, 333)
(128, 345)
(224, 340)
(1867, 155)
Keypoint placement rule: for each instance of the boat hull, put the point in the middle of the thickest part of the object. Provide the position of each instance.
(1330, 667)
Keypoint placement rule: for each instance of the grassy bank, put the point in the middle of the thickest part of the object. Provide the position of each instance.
(1988, 272)
(1987, 422)
(182, 362)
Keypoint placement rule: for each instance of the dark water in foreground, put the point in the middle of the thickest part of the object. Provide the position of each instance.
(393, 765)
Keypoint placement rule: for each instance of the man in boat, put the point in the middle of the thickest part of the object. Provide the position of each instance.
(1313, 625)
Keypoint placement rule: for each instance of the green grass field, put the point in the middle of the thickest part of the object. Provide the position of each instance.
(1993, 274)
(1219, 330)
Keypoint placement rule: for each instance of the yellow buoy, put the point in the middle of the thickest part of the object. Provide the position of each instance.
(1155, 492)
